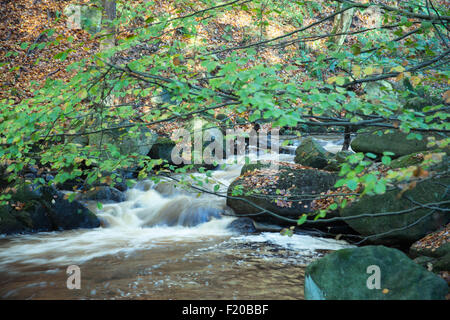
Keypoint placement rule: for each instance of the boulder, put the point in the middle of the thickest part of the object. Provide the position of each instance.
(338, 159)
(255, 166)
(350, 274)
(311, 153)
(242, 225)
(44, 209)
(408, 160)
(287, 191)
(411, 223)
(163, 96)
(83, 17)
(379, 89)
(441, 160)
(377, 141)
(433, 251)
(162, 149)
(127, 140)
(102, 193)
(417, 103)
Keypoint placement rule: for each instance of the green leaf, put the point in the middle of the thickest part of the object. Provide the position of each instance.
(302, 219)
(380, 188)
(352, 184)
(386, 160)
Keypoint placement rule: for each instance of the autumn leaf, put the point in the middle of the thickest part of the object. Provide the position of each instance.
(446, 97)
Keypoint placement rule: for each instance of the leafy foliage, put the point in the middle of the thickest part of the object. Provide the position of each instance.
(292, 78)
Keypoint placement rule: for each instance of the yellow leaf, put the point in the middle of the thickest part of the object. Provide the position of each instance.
(400, 76)
(340, 81)
(356, 71)
(83, 94)
(446, 96)
(369, 70)
(415, 80)
(176, 61)
(398, 69)
(331, 80)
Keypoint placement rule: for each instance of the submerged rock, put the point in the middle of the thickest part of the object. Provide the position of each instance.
(242, 225)
(351, 274)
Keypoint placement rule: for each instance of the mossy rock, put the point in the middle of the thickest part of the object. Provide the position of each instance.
(442, 263)
(310, 153)
(377, 141)
(127, 140)
(383, 229)
(433, 250)
(45, 209)
(408, 160)
(417, 158)
(9, 221)
(102, 193)
(338, 159)
(344, 275)
(255, 166)
(162, 149)
(418, 103)
(297, 189)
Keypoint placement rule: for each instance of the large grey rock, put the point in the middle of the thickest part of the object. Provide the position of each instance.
(242, 225)
(83, 17)
(102, 193)
(297, 188)
(127, 140)
(45, 209)
(255, 166)
(433, 251)
(378, 89)
(162, 149)
(338, 159)
(376, 141)
(411, 223)
(310, 153)
(344, 275)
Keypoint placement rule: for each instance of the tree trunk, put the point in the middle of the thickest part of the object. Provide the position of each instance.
(342, 24)
(109, 14)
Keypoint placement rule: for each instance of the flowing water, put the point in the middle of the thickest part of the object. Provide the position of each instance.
(164, 242)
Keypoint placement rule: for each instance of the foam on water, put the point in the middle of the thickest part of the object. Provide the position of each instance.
(296, 242)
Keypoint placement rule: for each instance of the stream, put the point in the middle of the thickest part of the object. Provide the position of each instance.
(164, 242)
